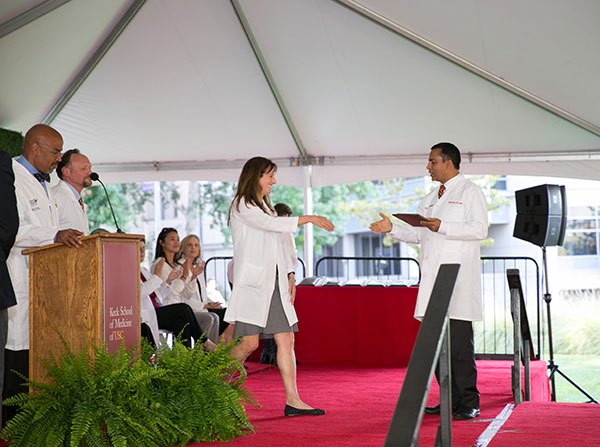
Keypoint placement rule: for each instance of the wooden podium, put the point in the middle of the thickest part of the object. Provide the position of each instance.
(89, 294)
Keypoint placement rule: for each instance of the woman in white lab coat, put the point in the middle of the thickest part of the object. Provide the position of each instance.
(194, 292)
(262, 299)
(167, 246)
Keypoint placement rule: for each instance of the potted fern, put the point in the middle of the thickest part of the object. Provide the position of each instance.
(117, 399)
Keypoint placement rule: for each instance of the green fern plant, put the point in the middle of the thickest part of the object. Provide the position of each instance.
(123, 400)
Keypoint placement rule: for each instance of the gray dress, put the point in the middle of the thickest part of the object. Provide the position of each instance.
(276, 321)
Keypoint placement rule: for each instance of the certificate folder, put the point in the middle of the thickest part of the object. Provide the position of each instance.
(412, 219)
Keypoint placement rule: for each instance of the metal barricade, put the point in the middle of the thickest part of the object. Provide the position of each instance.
(216, 267)
(494, 335)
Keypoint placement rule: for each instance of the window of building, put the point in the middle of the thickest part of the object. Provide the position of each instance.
(581, 238)
(500, 183)
(371, 245)
(332, 269)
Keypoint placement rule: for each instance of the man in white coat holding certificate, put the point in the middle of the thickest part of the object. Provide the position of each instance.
(264, 288)
(456, 221)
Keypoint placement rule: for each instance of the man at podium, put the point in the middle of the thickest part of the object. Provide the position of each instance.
(74, 172)
(38, 226)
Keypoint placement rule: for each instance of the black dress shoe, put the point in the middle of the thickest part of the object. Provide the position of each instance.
(436, 410)
(291, 411)
(433, 410)
(464, 414)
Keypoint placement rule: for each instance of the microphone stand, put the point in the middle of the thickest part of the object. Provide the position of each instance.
(95, 176)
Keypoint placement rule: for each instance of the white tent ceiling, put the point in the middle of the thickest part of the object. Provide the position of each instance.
(191, 88)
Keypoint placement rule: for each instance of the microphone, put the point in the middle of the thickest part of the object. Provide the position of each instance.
(94, 176)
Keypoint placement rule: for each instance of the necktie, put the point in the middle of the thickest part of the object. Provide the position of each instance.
(41, 177)
(441, 191)
(81, 204)
(152, 296)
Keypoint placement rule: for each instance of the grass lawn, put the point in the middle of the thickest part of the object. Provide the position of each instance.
(584, 370)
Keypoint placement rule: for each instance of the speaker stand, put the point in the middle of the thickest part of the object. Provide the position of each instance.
(553, 367)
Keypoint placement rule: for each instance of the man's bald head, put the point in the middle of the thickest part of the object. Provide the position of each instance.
(43, 147)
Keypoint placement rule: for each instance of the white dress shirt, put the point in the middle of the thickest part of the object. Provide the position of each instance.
(70, 212)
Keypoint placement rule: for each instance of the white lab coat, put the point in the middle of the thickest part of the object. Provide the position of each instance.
(211, 296)
(289, 245)
(147, 312)
(177, 285)
(464, 223)
(70, 213)
(186, 291)
(38, 225)
(258, 253)
(190, 294)
(202, 292)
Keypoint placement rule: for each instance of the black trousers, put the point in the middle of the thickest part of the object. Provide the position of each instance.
(462, 362)
(146, 333)
(180, 319)
(13, 384)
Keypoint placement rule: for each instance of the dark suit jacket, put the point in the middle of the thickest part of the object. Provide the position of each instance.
(9, 224)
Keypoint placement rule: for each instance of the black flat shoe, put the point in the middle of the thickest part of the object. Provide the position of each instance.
(291, 411)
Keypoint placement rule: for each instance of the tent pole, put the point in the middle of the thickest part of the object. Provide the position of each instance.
(473, 68)
(157, 209)
(113, 35)
(308, 229)
(262, 62)
(29, 16)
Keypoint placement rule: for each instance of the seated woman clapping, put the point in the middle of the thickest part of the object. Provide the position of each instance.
(195, 292)
(177, 318)
(167, 246)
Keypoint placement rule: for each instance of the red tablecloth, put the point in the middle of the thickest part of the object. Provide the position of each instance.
(356, 324)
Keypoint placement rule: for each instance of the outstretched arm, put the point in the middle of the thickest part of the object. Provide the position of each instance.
(381, 226)
(319, 221)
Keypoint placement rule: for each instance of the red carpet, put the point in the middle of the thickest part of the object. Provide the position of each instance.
(550, 424)
(360, 400)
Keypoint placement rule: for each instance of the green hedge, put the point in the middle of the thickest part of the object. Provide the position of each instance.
(11, 142)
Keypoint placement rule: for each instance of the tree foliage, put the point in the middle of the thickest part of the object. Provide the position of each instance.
(128, 201)
(390, 199)
(326, 202)
(339, 203)
(215, 199)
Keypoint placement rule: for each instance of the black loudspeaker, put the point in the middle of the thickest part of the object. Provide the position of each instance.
(541, 200)
(541, 215)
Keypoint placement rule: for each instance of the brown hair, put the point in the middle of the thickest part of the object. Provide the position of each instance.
(282, 209)
(65, 160)
(248, 187)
